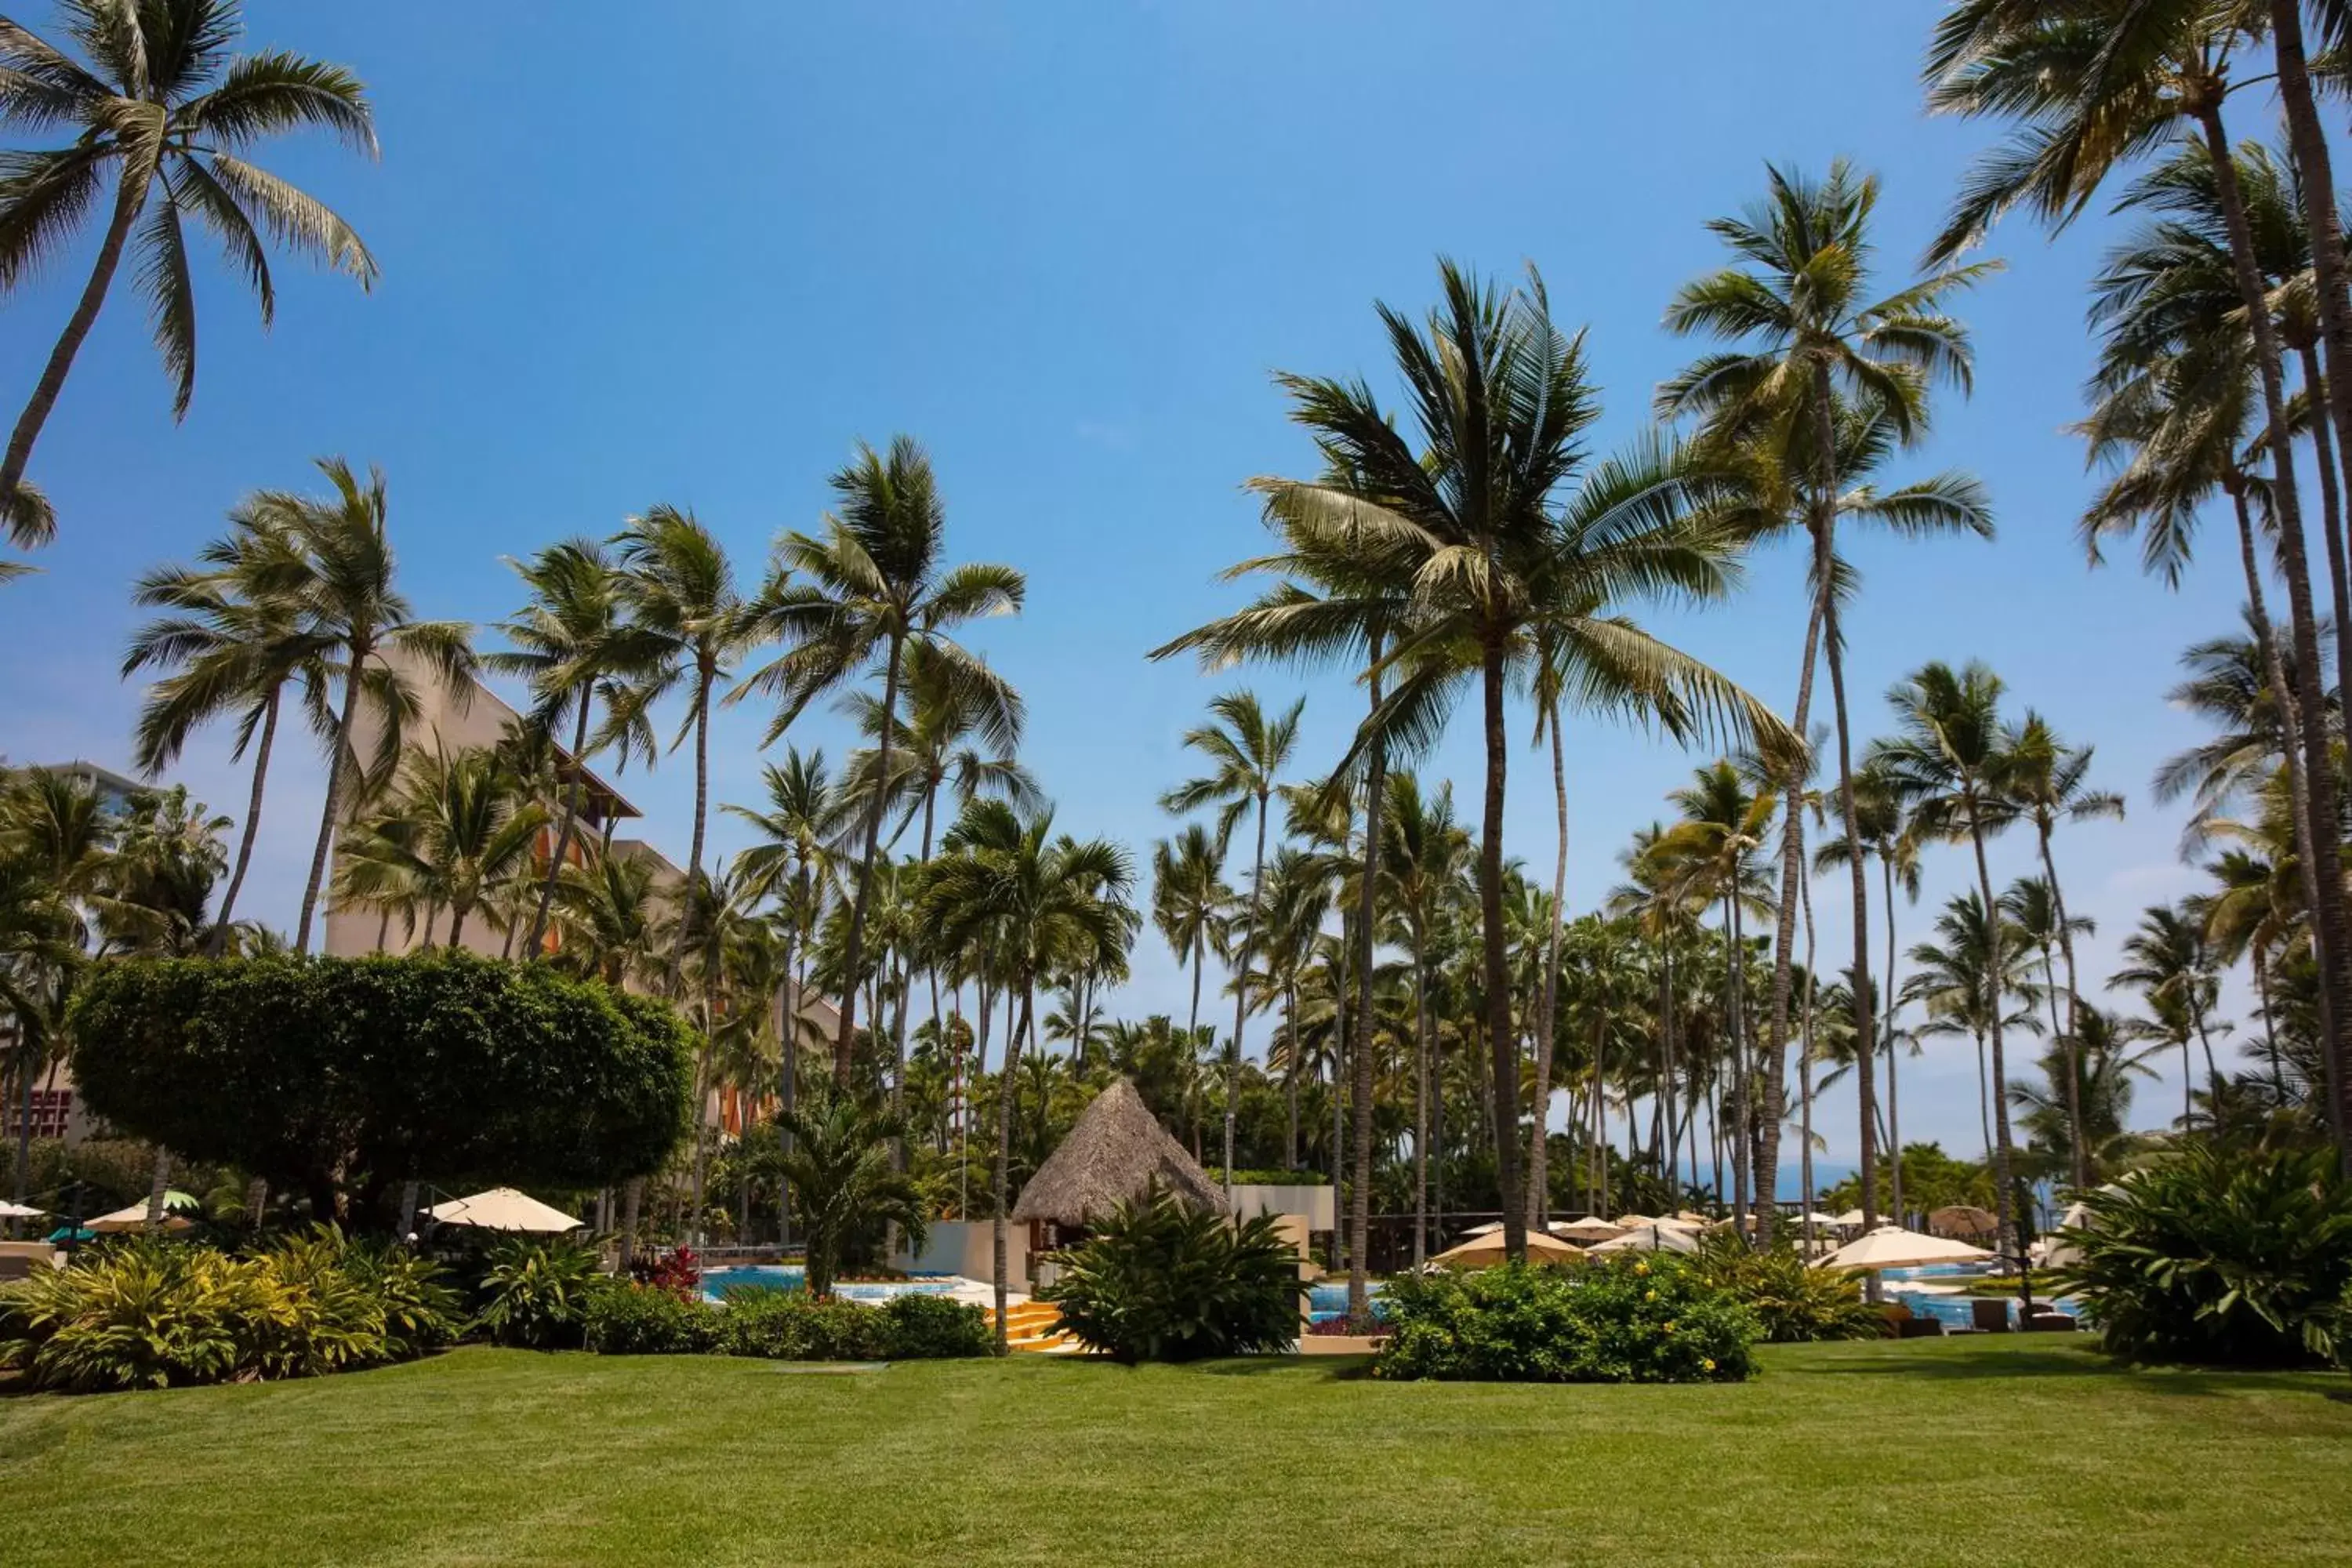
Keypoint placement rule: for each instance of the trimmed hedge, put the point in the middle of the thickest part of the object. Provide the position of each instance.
(339, 1077)
(783, 1325)
(1629, 1319)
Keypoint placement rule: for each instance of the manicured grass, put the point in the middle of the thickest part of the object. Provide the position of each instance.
(1963, 1451)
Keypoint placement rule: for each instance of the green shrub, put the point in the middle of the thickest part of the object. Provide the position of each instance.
(924, 1328)
(1160, 1281)
(1794, 1303)
(142, 1313)
(643, 1319)
(536, 1294)
(1629, 1319)
(2233, 1257)
(791, 1325)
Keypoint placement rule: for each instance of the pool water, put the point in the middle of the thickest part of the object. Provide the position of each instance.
(716, 1282)
(1329, 1299)
(1958, 1312)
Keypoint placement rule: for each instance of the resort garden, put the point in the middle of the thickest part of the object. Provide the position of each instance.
(529, 1196)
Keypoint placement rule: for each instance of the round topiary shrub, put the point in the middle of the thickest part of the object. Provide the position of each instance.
(1630, 1318)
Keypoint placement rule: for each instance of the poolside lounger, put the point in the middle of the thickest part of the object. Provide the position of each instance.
(1991, 1316)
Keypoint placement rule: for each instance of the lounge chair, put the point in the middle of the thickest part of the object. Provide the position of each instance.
(1920, 1329)
(1989, 1317)
(19, 1258)
(2050, 1322)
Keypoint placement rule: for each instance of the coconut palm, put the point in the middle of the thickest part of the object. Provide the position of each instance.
(1035, 901)
(233, 640)
(1503, 567)
(876, 583)
(608, 911)
(2254, 912)
(1425, 853)
(337, 567)
(2049, 781)
(1948, 762)
(574, 646)
(2090, 88)
(2228, 684)
(1247, 749)
(1189, 900)
(457, 828)
(1888, 836)
(1811, 341)
(793, 862)
(165, 107)
(2106, 1062)
(1966, 977)
(689, 627)
(2171, 965)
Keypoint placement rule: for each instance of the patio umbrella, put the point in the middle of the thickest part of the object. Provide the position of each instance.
(1892, 1246)
(1489, 1228)
(1484, 1251)
(503, 1208)
(1634, 1221)
(1958, 1220)
(2060, 1251)
(1652, 1238)
(1851, 1217)
(177, 1207)
(20, 1211)
(1590, 1229)
(1687, 1218)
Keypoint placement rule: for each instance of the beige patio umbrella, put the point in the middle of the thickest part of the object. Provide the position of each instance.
(177, 1207)
(1592, 1228)
(1687, 1218)
(1652, 1238)
(1892, 1246)
(25, 1211)
(1634, 1221)
(503, 1208)
(1851, 1217)
(1485, 1251)
(1961, 1221)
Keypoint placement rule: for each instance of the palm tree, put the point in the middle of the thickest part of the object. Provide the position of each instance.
(793, 860)
(1965, 976)
(1949, 761)
(837, 1164)
(1501, 571)
(166, 105)
(1189, 898)
(1246, 750)
(2049, 781)
(690, 626)
(1035, 901)
(233, 640)
(608, 910)
(2105, 1062)
(1814, 340)
(1423, 854)
(2092, 87)
(875, 585)
(2229, 686)
(1888, 836)
(2172, 966)
(338, 569)
(574, 644)
(2037, 915)
(456, 832)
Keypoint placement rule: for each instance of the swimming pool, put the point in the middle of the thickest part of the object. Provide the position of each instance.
(1329, 1299)
(716, 1282)
(1957, 1311)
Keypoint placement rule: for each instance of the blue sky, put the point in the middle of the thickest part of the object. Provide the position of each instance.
(695, 259)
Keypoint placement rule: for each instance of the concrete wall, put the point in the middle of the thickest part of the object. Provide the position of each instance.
(968, 1247)
(1318, 1204)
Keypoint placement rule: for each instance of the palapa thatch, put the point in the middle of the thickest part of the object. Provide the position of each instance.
(1113, 1154)
(1961, 1221)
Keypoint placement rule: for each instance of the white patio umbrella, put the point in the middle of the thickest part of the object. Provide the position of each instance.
(1652, 1238)
(503, 1208)
(2059, 1251)
(20, 1211)
(1850, 1216)
(1592, 1228)
(177, 1207)
(1892, 1246)
(1489, 1228)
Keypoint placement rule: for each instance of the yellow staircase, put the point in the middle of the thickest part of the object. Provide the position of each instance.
(1036, 1327)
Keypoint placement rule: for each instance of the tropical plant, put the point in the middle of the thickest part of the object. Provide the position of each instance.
(167, 107)
(1628, 1320)
(1161, 1279)
(839, 1169)
(1793, 1302)
(536, 1293)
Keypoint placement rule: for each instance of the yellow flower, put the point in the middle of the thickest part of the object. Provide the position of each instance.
(1707, 1363)
(1670, 1325)
(1641, 1268)
(1649, 1295)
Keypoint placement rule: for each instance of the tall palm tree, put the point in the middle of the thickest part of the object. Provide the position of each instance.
(1798, 304)
(2049, 781)
(1501, 564)
(690, 628)
(874, 584)
(1189, 900)
(338, 569)
(1247, 749)
(166, 106)
(805, 816)
(1966, 977)
(233, 641)
(609, 911)
(1423, 854)
(1888, 836)
(574, 644)
(1036, 899)
(455, 830)
(2090, 88)
(1949, 761)
(2171, 965)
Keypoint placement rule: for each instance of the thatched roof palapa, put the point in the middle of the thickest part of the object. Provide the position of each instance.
(1114, 1152)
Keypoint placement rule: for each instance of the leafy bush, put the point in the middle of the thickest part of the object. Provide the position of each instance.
(338, 1077)
(928, 1328)
(1271, 1177)
(150, 1314)
(791, 1325)
(536, 1293)
(648, 1319)
(1629, 1319)
(678, 1272)
(1793, 1302)
(2222, 1255)
(1160, 1281)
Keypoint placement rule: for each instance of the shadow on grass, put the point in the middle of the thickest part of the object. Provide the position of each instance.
(1321, 1369)
(2077, 1363)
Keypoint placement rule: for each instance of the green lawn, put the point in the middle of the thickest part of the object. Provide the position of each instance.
(1985, 1450)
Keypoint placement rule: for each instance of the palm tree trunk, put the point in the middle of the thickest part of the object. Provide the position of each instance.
(2270, 1028)
(1421, 1124)
(2334, 950)
(1241, 1000)
(1886, 1006)
(1539, 1149)
(563, 832)
(2071, 1040)
(158, 1183)
(2331, 506)
(1360, 1047)
(1500, 1039)
(854, 950)
(130, 196)
(633, 1198)
(707, 676)
(1004, 1150)
(1996, 977)
(357, 656)
(217, 943)
(1738, 1091)
(1792, 870)
(1290, 1085)
(1805, 1059)
(1864, 1028)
